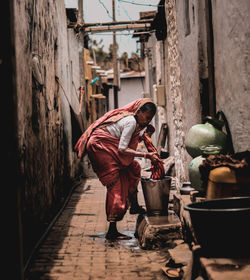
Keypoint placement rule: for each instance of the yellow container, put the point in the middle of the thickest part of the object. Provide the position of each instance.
(225, 182)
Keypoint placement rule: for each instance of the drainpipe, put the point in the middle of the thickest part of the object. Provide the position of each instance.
(115, 66)
(210, 57)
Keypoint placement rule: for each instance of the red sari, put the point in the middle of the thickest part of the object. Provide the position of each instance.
(119, 173)
(157, 168)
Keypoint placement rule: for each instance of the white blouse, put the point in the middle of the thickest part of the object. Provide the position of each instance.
(123, 129)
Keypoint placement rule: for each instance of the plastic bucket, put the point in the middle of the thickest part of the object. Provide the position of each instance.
(156, 195)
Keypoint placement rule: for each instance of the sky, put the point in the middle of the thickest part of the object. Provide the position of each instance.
(101, 11)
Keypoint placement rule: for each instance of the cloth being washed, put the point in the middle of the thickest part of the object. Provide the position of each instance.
(157, 168)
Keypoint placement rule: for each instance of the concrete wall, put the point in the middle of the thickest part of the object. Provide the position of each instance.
(190, 40)
(175, 94)
(131, 89)
(161, 116)
(44, 122)
(188, 74)
(155, 75)
(231, 27)
(68, 72)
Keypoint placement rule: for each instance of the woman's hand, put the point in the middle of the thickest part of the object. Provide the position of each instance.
(154, 157)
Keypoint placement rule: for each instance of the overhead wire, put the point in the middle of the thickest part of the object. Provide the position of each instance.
(120, 5)
(106, 9)
(140, 4)
(125, 10)
(126, 34)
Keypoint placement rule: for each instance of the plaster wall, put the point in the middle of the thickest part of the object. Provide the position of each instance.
(159, 61)
(131, 89)
(186, 74)
(231, 27)
(175, 94)
(44, 122)
(187, 21)
(153, 77)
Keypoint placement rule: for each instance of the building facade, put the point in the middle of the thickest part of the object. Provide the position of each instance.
(47, 59)
(203, 67)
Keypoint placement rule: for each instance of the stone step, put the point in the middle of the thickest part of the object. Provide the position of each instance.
(158, 231)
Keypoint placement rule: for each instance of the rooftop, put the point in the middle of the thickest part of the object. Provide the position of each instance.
(126, 75)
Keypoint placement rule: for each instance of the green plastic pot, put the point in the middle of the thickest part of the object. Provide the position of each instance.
(193, 169)
(209, 133)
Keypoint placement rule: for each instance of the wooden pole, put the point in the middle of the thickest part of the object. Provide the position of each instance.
(117, 28)
(80, 12)
(80, 22)
(115, 76)
(117, 22)
(98, 24)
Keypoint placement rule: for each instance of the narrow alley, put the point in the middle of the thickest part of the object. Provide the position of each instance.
(103, 94)
(76, 247)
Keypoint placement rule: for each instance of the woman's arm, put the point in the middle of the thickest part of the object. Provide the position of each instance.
(130, 152)
(126, 135)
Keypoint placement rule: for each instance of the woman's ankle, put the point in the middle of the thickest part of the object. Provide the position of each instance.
(112, 228)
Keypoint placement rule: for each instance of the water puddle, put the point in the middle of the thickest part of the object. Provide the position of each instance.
(83, 214)
(132, 244)
(98, 235)
(226, 267)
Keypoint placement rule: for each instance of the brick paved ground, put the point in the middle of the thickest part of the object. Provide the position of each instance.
(76, 247)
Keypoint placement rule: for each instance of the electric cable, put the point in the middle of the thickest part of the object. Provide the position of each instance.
(121, 34)
(140, 4)
(125, 10)
(106, 9)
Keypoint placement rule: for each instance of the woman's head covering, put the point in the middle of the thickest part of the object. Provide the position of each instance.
(109, 118)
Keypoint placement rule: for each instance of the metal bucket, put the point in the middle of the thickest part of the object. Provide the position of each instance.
(156, 195)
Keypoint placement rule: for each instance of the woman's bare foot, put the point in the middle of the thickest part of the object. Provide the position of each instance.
(113, 233)
(117, 236)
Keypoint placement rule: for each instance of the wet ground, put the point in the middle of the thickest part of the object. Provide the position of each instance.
(76, 247)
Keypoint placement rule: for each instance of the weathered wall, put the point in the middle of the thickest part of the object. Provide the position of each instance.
(159, 56)
(192, 48)
(189, 39)
(154, 75)
(44, 128)
(231, 27)
(187, 74)
(189, 65)
(175, 94)
(68, 72)
(131, 89)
